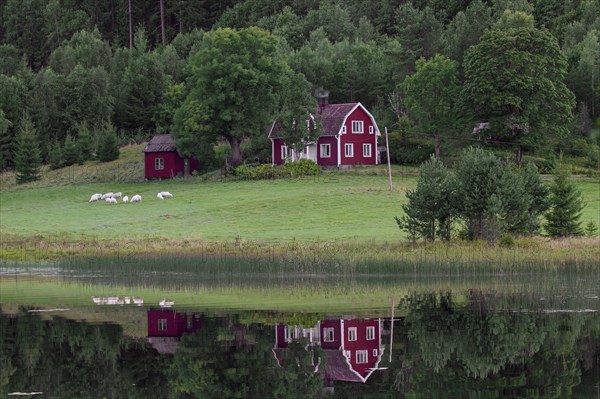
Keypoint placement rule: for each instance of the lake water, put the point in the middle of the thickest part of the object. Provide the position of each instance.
(124, 330)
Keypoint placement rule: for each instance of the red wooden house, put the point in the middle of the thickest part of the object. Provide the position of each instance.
(353, 347)
(162, 161)
(166, 327)
(348, 137)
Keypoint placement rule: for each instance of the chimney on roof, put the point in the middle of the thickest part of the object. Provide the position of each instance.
(323, 98)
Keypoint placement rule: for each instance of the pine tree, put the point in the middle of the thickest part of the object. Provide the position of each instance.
(70, 151)
(55, 156)
(28, 159)
(566, 203)
(108, 149)
(85, 144)
(5, 141)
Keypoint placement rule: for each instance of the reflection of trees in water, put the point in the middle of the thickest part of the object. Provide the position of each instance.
(476, 347)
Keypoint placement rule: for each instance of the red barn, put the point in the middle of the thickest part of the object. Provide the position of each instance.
(353, 346)
(348, 137)
(166, 327)
(162, 161)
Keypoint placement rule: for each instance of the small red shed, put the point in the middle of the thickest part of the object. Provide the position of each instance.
(162, 161)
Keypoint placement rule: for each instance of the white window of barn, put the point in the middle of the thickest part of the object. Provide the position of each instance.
(371, 129)
(366, 150)
(361, 357)
(370, 333)
(159, 163)
(344, 129)
(325, 150)
(358, 127)
(328, 334)
(352, 334)
(162, 324)
(349, 148)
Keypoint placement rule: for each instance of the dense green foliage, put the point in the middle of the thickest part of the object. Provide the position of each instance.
(80, 62)
(566, 203)
(27, 157)
(489, 197)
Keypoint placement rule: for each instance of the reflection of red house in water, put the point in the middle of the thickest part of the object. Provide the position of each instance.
(166, 327)
(353, 347)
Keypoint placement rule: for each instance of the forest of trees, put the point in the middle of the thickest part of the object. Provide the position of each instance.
(75, 74)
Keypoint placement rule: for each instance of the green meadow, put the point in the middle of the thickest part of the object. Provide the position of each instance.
(351, 210)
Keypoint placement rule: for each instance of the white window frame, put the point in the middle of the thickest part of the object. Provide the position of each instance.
(367, 150)
(287, 333)
(362, 357)
(344, 129)
(375, 353)
(350, 147)
(284, 151)
(370, 333)
(352, 334)
(358, 127)
(162, 324)
(327, 153)
(328, 334)
(371, 129)
(159, 163)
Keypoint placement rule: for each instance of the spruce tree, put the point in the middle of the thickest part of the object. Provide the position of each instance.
(70, 151)
(566, 203)
(55, 156)
(5, 141)
(85, 144)
(108, 148)
(28, 159)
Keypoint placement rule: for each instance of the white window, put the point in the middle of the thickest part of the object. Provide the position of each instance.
(367, 150)
(352, 334)
(159, 163)
(361, 357)
(328, 334)
(358, 127)
(370, 333)
(162, 324)
(349, 147)
(288, 334)
(344, 129)
(348, 354)
(284, 151)
(325, 150)
(371, 129)
(374, 352)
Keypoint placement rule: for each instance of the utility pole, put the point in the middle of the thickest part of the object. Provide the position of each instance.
(387, 148)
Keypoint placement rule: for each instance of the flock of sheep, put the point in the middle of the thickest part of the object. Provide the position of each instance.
(111, 197)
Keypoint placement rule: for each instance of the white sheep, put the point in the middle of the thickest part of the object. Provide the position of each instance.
(159, 196)
(166, 194)
(111, 200)
(107, 195)
(125, 198)
(117, 195)
(95, 197)
(136, 198)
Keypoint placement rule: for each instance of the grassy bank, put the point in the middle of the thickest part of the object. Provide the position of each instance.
(346, 214)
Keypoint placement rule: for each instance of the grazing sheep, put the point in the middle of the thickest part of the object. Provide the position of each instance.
(95, 197)
(107, 195)
(111, 200)
(125, 198)
(136, 198)
(166, 194)
(159, 196)
(117, 195)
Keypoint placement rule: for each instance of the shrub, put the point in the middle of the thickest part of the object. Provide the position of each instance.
(303, 167)
(506, 240)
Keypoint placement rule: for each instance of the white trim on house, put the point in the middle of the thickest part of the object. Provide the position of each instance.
(362, 356)
(321, 152)
(159, 163)
(339, 150)
(352, 334)
(349, 146)
(377, 132)
(370, 333)
(371, 128)
(367, 153)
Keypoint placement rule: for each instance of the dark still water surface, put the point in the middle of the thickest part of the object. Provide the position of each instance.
(92, 334)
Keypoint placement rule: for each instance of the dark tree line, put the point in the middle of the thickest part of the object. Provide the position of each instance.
(77, 66)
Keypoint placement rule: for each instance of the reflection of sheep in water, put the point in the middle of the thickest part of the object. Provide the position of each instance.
(136, 198)
(117, 195)
(95, 197)
(107, 195)
(166, 194)
(159, 196)
(111, 200)
(125, 198)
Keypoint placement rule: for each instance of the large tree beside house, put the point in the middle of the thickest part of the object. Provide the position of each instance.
(236, 85)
